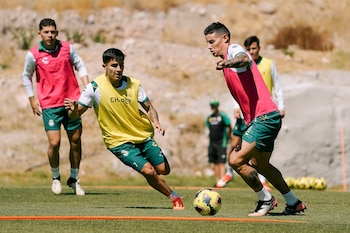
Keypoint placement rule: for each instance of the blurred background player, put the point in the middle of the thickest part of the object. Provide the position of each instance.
(268, 72)
(219, 126)
(54, 62)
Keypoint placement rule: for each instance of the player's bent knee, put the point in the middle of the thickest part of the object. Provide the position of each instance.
(162, 169)
(148, 170)
(163, 172)
(235, 163)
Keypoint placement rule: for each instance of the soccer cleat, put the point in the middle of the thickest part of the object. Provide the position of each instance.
(177, 204)
(296, 208)
(74, 184)
(224, 180)
(56, 186)
(264, 207)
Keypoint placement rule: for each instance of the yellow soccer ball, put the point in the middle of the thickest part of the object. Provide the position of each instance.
(207, 202)
(290, 181)
(319, 183)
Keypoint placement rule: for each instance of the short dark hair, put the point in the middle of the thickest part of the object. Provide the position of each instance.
(47, 22)
(217, 27)
(250, 40)
(111, 54)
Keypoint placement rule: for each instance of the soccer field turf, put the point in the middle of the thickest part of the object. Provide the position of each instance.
(142, 209)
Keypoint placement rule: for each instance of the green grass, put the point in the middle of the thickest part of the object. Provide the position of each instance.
(327, 210)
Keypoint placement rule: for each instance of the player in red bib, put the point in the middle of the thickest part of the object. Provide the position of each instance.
(261, 116)
(53, 62)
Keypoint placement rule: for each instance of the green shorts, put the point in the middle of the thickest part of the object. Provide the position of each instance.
(263, 130)
(239, 128)
(137, 155)
(54, 117)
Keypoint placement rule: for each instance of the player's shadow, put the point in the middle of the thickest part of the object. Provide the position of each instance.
(148, 207)
(281, 214)
(93, 193)
(275, 214)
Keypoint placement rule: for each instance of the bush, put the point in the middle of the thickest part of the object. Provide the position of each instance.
(75, 37)
(99, 38)
(305, 37)
(23, 37)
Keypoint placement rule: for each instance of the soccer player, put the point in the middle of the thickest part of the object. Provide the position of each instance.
(127, 129)
(261, 116)
(268, 72)
(54, 62)
(219, 126)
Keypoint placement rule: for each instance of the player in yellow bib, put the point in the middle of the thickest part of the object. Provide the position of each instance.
(267, 70)
(127, 130)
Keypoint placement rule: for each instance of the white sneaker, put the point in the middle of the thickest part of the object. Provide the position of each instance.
(56, 186)
(74, 184)
(224, 180)
(264, 207)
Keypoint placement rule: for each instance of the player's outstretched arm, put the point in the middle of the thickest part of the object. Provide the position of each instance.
(239, 61)
(74, 109)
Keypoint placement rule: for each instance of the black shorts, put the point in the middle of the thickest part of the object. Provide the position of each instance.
(217, 153)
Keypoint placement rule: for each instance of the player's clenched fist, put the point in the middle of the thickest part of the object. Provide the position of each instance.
(70, 104)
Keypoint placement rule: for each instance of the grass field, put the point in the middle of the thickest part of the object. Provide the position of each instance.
(131, 206)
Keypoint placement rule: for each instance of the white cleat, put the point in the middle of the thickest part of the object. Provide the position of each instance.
(264, 207)
(56, 187)
(74, 184)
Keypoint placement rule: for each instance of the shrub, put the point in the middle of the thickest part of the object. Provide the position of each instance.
(23, 37)
(341, 60)
(75, 37)
(305, 37)
(99, 38)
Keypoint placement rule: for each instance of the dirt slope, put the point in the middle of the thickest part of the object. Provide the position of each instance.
(166, 51)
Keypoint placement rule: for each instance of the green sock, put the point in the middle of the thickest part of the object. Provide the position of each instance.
(173, 195)
(55, 172)
(290, 198)
(74, 173)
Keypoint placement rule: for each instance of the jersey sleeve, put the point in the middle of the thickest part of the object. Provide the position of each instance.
(277, 88)
(226, 119)
(90, 97)
(233, 51)
(142, 97)
(28, 71)
(77, 62)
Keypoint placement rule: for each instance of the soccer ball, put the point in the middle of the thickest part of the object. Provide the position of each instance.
(290, 182)
(319, 183)
(305, 182)
(207, 202)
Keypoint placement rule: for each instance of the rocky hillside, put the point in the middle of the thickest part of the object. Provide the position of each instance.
(166, 50)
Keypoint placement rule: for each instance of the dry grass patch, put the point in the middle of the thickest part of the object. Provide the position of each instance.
(341, 60)
(305, 37)
(86, 6)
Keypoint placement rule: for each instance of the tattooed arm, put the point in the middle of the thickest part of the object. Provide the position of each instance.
(239, 61)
